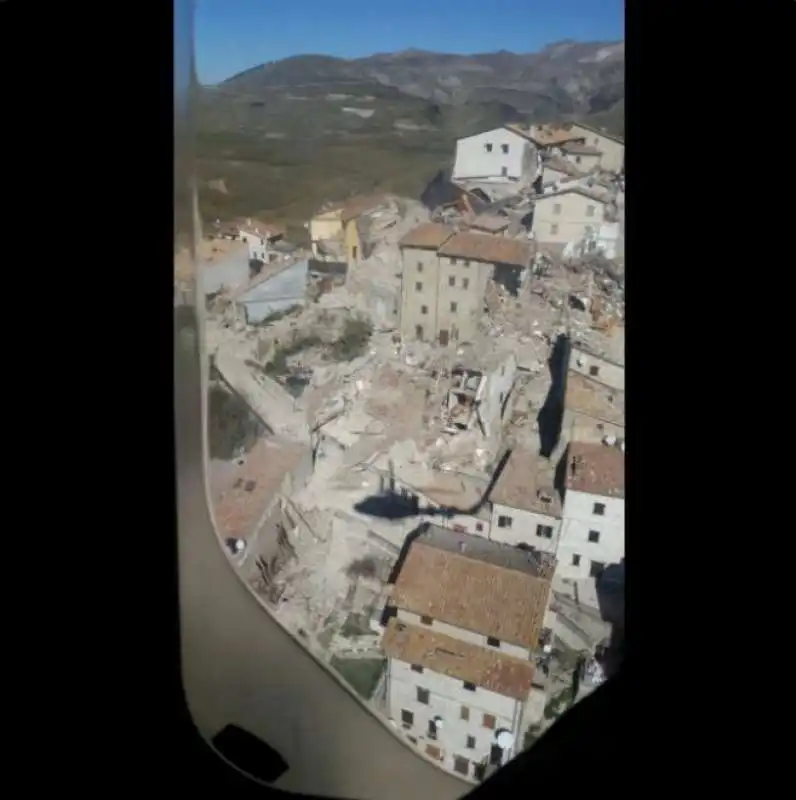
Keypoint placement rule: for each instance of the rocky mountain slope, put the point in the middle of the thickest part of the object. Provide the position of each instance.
(565, 79)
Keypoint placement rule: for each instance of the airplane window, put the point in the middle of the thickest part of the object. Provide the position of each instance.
(357, 620)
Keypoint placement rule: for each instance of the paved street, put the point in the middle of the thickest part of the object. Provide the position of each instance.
(240, 667)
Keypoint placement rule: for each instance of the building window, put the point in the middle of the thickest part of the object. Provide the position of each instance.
(418, 287)
(504, 522)
(471, 742)
(454, 306)
(417, 668)
(554, 228)
(577, 159)
(544, 531)
(504, 171)
(594, 536)
(599, 509)
(596, 569)
(412, 739)
(461, 765)
(488, 147)
(465, 263)
(419, 332)
(452, 280)
(419, 266)
(422, 696)
(594, 371)
(504, 148)
(575, 560)
(465, 713)
(492, 641)
(407, 718)
(557, 208)
(490, 721)
(595, 140)
(469, 686)
(426, 620)
(589, 211)
(424, 309)
(479, 527)
(465, 283)
(432, 729)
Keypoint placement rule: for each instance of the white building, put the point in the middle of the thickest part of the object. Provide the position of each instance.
(460, 647)
(501, 154)
(526, 508)
(593, 525)
(258, 236)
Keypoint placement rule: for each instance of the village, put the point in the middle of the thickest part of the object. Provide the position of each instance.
(436, 508)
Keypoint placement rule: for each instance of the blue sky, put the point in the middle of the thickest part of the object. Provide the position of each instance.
(233, 35)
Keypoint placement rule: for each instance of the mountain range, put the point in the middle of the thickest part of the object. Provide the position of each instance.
(564, 80)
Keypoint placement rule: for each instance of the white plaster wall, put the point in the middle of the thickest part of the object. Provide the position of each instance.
(577, 215)
(473, 160)
(523, 528)
(578, 519)
(498, 387)
(613, 152)
(258, 245)
(446, 698)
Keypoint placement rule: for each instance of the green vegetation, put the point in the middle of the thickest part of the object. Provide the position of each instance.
(232, 428)
(361, 674)
(559, 703)
(353, 341)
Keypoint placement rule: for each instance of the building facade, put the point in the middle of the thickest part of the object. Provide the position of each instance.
(593, 525)
(567, 215)
(612, 147)
(467, 615)
(500, 154)
(585, 157)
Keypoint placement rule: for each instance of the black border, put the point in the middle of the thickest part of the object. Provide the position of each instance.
(87, 148)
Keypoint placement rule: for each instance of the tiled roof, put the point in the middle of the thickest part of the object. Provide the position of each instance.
(584, 395)
(595, 469)
(492, 249)
(525, 482)
(473, 583)
(489, 669)
(429, 235)
(356, 206)
(578, 149)
(238, 509)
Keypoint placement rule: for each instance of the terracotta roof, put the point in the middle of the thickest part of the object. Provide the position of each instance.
(490, 222)
(429, 235)
(576, 148)
(487, 587)
(584, 395)
(489, 669)
(525, 482)
(492, 249)
(240, 508)
(596, 469)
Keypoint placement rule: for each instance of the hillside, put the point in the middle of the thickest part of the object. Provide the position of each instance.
(282, 137)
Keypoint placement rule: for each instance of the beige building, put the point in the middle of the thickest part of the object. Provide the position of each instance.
(568, 214)
(461, 644)
(556, 169)
(445, 276)
(585, 157)
(612, 147)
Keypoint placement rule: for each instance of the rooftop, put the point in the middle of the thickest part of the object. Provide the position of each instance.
(562, 165)
(601, 132)
(430, 235)
(483, 586)
(587, 396)
(593, 193)
(596, 469)
(579, 149)
(547, 135)
(526, 482)
(491, 249)
(493, 223)
(268, 229)
(489, 669)
(361, 204)
(240, 508)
